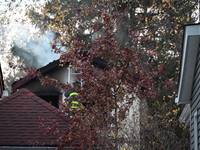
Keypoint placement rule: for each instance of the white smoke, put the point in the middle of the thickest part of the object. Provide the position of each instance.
(21, 35)
(32, 47)
(21, 40)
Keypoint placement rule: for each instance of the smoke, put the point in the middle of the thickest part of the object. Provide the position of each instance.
(21, 42)
(21, 38)
(32, 47)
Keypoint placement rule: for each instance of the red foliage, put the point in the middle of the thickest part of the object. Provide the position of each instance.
(127, 75)
(53, 46)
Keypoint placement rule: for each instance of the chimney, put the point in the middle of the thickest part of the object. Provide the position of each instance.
(4, 94)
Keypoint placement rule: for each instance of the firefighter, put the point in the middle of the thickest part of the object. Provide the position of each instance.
(76, 102)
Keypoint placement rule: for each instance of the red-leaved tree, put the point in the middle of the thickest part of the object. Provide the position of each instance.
(108, 92)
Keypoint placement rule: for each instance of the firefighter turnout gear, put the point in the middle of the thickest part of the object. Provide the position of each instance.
(75, 103)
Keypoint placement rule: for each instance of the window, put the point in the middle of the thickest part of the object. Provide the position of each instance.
(72, 73)
(50, 97)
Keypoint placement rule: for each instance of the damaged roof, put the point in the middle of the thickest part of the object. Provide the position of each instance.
(19, 120)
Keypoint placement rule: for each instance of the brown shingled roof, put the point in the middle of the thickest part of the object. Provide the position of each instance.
(19, 119)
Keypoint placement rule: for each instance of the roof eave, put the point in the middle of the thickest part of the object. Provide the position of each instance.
(18, 84)
(188, 63)
(177, 100)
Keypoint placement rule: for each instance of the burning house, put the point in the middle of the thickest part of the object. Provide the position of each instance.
(28, 92)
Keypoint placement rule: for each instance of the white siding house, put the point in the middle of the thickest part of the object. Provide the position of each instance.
(189, 83)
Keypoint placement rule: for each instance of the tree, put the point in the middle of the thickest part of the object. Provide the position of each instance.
(141, 42)
(109, 93)
(166, 38)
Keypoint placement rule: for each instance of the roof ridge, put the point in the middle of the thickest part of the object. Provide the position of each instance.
(19, 119)
(37, 99)
(50, 107)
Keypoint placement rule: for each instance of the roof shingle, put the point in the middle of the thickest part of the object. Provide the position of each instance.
(19, 119)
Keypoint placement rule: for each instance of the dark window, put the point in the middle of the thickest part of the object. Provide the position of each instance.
(52, 98)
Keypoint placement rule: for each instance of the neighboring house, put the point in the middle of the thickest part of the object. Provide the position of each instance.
(20, 125)
(189, 83)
